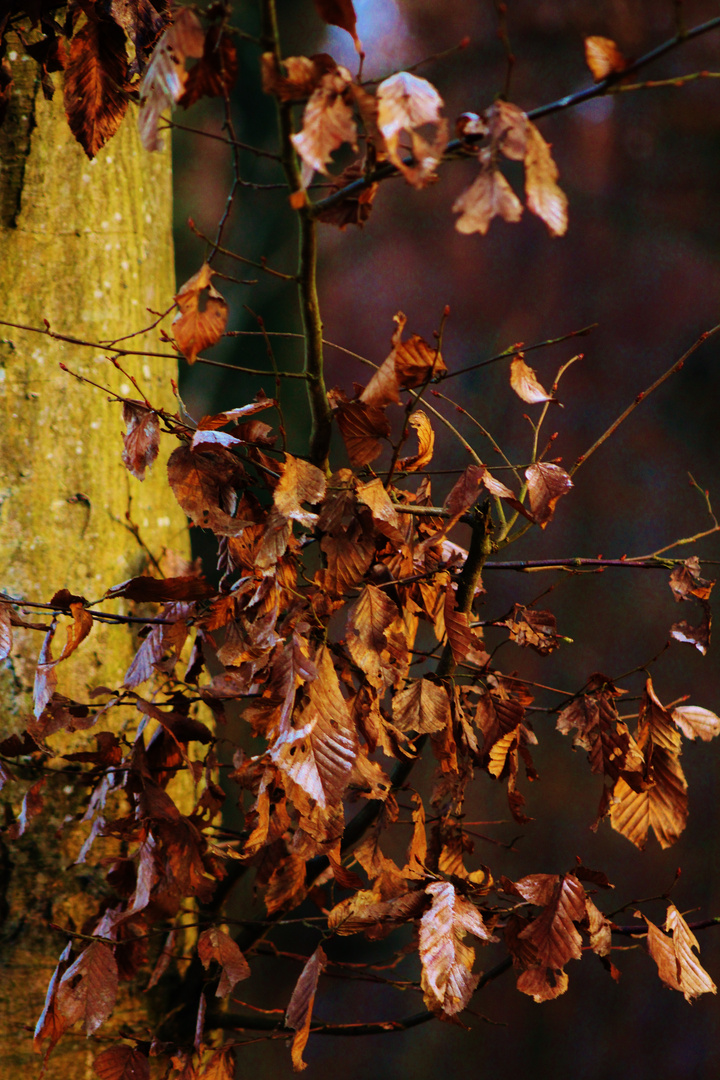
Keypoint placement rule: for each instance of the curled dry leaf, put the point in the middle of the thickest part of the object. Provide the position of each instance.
(5, 632)
(405, 103)
(301, 75)
(164, 81)
(327, 123)
(524, 382)
(699, 636)
(410, 364)
(544, 197)
(141, 438)
(447, 978)
(603, 57)
(202, 317)
(87, 990)
(686, 582)
(489, 196)
(362, 427)
(426, 444)
(695, 722)
(508, 129)
(299, 1011)
(216, 73)
(678, 966)
(423, 706)
(546, 483)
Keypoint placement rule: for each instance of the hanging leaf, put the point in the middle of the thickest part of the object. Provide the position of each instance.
(86, 992)
(165, 77)
(202, 317)
(405, 103)
(5, 631)
(216, 72)
(546, 483)
(215, 944)
(686, 582)
(96, 75)
(603, 57)
(122, 1063)
(362, 427)
(426, 444)
(678, 966)
(299, 1011)
(141, 438)
(447, 979)
(543, 195)
(423, 706)
(489, 196)
(694, 721)
(340, 13)
(327, 123)
(524, 382)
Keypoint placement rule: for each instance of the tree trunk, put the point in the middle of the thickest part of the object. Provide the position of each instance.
(87, 246)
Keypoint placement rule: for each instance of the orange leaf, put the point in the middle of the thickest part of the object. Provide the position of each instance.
(196, 328)
(546, 483)
(489, 196)
(426, 444)
(524, 382)
(299, 1011)
(95, 77)
(121, 1063)
(603, 57)
(678, 966)
(423, 706)
(215, 944)
(164, 81)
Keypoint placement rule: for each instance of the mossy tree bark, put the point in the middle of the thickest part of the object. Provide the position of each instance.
(87, 246)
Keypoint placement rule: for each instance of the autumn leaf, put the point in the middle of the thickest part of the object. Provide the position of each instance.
(301, 75)
(216, 72)
(489, 196)
(699, 636)
(299, 1010)
(507, 126)
(32, 805)
(364, 912)
(406, 102)
(678, 966)
(368, 620)
(87, 990)
(299, 482)
(543, 195)
(165, 77)
(340, 13)
(686, 582)
(362, 427)
(535, 629)
(423, 706)
(45, 673)
(410, 364)
(215, 944)
(553, 933)
(694, 721)
(524, 382)
(141, 438)
(221, 1066)
(610, 747)
(661, 804)
(603, 57)
(546, 483)
(205, 484)
(96, 74)
(5, 631)
(203, 314)
(447, 979)
(327, 123)
(121, 1062)
(426, 444)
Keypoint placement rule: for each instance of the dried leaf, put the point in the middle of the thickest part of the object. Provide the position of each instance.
(96, 75)
(221, 1066)
(197, 327)
(327, 123)
(45, 673)
(546, 483)
(699, 636)
(423, 706)
(536, 629)
(410, 364)
(489, 196)
(377, 918)
(299, 1011)
(340, 13)
(553, 933)
(216, 73)
(426, 444)
(87, 990)
(215, 944)
(145, 589)
(543, 195)
(694, 721)
(603, 57)
(205, 484)
(165, 77)
(678, 966)
(32, 805)
(121, 1063)
(447, 979)
(362, 426)
(302, 75)
(686, 582)
(405, 103)
(365, 634)
(299, 482)
(507, 126)
(141, 438)
(524, 382)
(610, 747)
(5, 631)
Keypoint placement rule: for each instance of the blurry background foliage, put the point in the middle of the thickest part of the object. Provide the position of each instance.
(642, 259)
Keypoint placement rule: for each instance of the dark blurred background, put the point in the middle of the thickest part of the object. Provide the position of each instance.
(641, 258)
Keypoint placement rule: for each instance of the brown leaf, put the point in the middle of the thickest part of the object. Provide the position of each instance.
(141, 438)
(447, 979)
(221, 1066)
(165, 77)
(508, 129)
(603, 57)
(459, 634)
(45, 673)
(385, 516)
(423, 706)
(426, 444)
(216, 73)
(546, 483)
(553, 933)
(405, 103)
(699, 636)
(51, 1024)
(348, 556)
(362, 426)
(145, 589)
(542, 983)
(205, 484)
(365, 634)
(121, 1063)
(543, 195)
(286, 887)
(318, 753)
(87, 990)
(686, 582)
(5, 631)
(536, 629)
(377, 918)
(354, 208)
(299, 482)
(694, 721)
(327, 123)
(410, 364)
(661, 804)
(611, 748)
(96, 75)
(197, 327)
(489, 196)
(678, 966)
(302, 75)
(32, 805)
(215, 944)
(524, 382)
(465, 491)
(299, 1010)
(340, 13)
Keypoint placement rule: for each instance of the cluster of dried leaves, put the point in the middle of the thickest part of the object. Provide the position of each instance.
(345, 626)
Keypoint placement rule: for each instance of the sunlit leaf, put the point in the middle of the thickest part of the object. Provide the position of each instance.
(546, 483)
(678, 966)
(96, 74)
(215, 944)
(544, 197)
(202, 317)
(603, 57)
(525, 383)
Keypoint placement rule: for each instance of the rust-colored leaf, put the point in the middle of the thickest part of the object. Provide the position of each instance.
(678, 966)
(141, 438)
(205, 484)
(447, 979)
(327, 123)
(203, 314)
(377, 918)
(536, 629)
(553, 933)
(362, 427)
(525, 383)
(410, 364)
(544, 197)
(699, 636)
(221, 1066)
(426, 444)
(165, 77)
(96, 73)
(546, 483)
(368, 620)
(423, 706)
(32, 805)
(340, 13)
(611, 748)
(216, 73)
(86, 992)
(45, 673)
(300, 482)
(121, 1063)
(299, 1010)
(603, 57)
(215, 944)
(489, 196)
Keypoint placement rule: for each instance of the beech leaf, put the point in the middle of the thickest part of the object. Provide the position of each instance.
(121, 1063)
(141, 438)
(423, 706)
(164, 81)
(489, 196)
(694, 721)
(95, 78)
(426, 444)
(678, 966)
(546, 483)
(197, 327)
(215, 944)
(524, 382)
(447, 979)
(327, 123)
(87, 990)
(603, 57)
(405, 103)
(299, 1010)
(544, 197)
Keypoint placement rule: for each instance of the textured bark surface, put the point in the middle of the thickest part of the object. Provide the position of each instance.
(87, 246)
